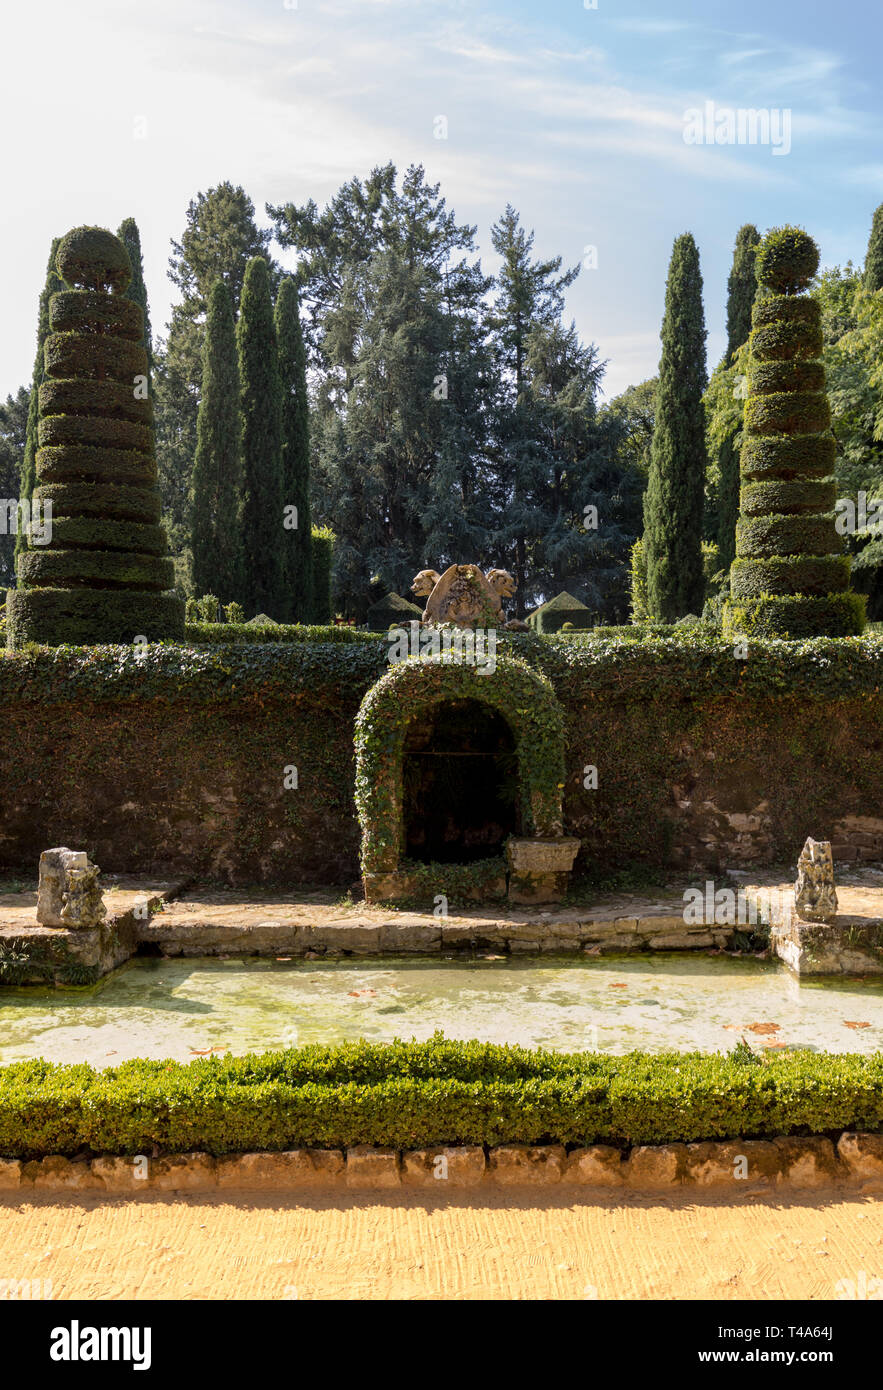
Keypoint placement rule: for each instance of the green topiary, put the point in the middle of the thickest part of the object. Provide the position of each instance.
(92, 258)
(104, 575)
(786, 260)
(789, 577)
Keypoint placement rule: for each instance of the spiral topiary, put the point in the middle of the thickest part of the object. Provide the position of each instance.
(104, 575)
(790, 577)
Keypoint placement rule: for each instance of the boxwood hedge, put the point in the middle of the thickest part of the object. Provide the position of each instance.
(407, 1095)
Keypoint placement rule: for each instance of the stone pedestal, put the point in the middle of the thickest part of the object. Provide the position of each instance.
(850, 946)
(539, 870)
(69, 894)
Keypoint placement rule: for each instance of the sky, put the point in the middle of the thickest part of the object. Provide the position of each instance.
(580, 114)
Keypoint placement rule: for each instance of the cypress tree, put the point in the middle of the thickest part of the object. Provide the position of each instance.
(216, 538)
(741, 289)
(262, 518)
(674, 498)
(790, 577)
(102, 575)
(29, 459)
(874, 258)
(137, 291)
(298, 556)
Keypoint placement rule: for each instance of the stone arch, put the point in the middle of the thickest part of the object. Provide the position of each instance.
(523, 697)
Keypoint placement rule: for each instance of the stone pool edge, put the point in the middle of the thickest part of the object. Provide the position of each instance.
(855, 1162)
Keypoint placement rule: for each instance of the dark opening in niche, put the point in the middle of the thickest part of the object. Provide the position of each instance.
(460, 784)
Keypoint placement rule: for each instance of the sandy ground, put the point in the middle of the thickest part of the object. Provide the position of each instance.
(494, 1246)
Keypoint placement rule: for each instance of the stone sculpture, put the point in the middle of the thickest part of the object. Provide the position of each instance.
(69, 894)
(465, 596)
(815, 896)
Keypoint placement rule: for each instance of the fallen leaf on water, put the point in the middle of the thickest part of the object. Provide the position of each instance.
(772, 1044)
(846, 1022)
(362, 993)
(283, 957)
(493, 957)
(619, 986)
(763, 1027)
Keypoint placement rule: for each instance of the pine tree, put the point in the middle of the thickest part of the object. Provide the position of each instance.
(874, 258)
(674, 498)
(741, 289)
(131, 238)
(298, 574)
(262, 517)
(29, 458)
(216, 539)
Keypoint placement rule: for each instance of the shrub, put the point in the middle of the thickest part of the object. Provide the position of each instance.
(408, 1095)
(789, 578)
(95, 463)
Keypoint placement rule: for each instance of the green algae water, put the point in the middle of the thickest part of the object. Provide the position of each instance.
(185, 1008)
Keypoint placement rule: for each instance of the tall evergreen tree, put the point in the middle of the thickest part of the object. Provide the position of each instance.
(131, 238)
(13, 433)
(874, 258)
(52, 283)
(741, 292)
(674, 497)
(216, 543)
(530, 295)
(218, 240)
(298, 572)
(741, 289)
(262, 517)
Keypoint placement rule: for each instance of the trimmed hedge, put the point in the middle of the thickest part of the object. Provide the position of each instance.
(92, 258)
(114, 502)
(785, 308)
(85, 617)
(786, 341)
(837, 615)
(794, 496)
(769, 377)
(777, 456)
(411, 1095)
(555, 612)
(803, 574)
(80, 462)
(94, 533)
(788, 412)
(58, 430)
(44, 568)
(86, 355)
(762, 536)
(85, 311)
(69, 396)
(392, 610)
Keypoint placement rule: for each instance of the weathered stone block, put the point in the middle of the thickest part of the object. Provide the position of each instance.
(120, 1173)
(651, 1167)
(862, 1157)
(444, 1168)
(68, 894)
(292, 1168)
(55, 1171)
(516, 1165)
(739, 1164)
(807, 1162)
(815, 896)
(182, 1172)
(370, 1167)
(600, 1165)
(10, 1174)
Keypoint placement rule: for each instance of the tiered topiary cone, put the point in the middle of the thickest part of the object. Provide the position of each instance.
(104, 576)
(790, 577)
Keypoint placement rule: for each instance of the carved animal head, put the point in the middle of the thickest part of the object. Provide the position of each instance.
(501, 582)
(425, 582)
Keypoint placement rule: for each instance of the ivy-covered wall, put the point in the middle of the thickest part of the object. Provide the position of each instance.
(238, 762)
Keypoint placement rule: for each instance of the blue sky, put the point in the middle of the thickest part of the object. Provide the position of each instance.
(575, 115)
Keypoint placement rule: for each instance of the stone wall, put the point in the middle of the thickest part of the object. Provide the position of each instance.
(685, 779)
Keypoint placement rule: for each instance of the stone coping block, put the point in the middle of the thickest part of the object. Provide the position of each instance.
(444, 1167)
(514, 1165)
(732, 1165)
